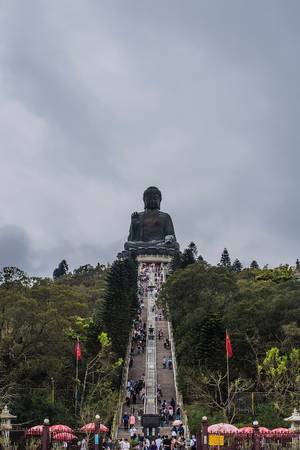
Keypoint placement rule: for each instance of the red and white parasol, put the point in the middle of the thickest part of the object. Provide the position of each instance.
(249, 430)
(90, 428)
(280, 432)
(60, 429)
(65, 437)
(223, 428)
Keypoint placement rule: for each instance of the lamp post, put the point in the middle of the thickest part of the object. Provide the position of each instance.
(256, 436)
(97, 433)
(45, 435)
(204, 434)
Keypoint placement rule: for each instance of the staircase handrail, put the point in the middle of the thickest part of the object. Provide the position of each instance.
(179, 398)
(124, 381)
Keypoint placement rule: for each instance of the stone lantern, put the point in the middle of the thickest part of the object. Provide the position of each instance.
(294, 420)
(5, 424)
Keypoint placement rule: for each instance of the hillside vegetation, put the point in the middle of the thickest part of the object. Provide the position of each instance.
(260, 308)
(41, 320)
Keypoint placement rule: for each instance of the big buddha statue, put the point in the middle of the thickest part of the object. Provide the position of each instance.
(151, 231)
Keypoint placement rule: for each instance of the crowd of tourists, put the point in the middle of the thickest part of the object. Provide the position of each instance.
(151, 276)
(150, 279)
(163, 442)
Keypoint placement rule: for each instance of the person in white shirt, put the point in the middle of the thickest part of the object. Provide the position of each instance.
(158, 442)
(126, 444)
(83, 445)
(132, 431)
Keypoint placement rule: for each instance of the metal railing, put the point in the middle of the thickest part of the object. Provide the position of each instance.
(150, 404)
(124, 380)
(179, 399)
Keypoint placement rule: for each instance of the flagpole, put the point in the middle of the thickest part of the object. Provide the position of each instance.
(76, 378)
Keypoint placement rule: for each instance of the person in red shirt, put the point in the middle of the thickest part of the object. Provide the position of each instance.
(131, 420)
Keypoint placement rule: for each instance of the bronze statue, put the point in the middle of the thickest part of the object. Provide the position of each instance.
(152, 229)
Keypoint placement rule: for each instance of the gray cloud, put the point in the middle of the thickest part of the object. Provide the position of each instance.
(15, 247)
(100, 100)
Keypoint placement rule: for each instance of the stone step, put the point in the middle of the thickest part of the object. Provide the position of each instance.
(164, 376)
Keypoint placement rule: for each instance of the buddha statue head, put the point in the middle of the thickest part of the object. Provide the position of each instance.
(152, 198)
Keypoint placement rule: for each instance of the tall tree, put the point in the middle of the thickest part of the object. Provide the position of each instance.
(188, 257)
(61, 270)
(237, 265)
(176, 262)
(254, 265)
(120, 303)
(225, 259)
(211, 342)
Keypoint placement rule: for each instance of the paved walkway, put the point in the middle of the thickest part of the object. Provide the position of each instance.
(137, 371)
(150, 378)
(149, 365)
(165, 377)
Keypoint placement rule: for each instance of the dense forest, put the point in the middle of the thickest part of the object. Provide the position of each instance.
(260, 308)
(42, 320)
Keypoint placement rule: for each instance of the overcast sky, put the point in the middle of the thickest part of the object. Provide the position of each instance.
(100, 99)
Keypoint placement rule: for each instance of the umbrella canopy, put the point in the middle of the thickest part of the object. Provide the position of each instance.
(249, 430)
(66, 437)
(177, 423)
(283, 432)
(60, 429)
(222, 428)
(90, 428)
(35, 431)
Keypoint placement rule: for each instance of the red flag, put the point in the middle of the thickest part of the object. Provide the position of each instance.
(77, 351)
(228, 346)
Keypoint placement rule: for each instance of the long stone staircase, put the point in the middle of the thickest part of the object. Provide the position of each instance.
(149, 366)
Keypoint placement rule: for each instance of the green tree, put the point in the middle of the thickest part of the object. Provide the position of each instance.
(279, 376)
(189, 255)
(61, 270)
(176, 262)
(98, 395)
(11, 274)
(254, 265)
(36, 345)
(260, 307)
(182, 260)
(211, 342)
(225, 259)
(236, 266)
(120, 303)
